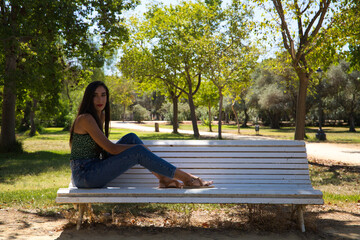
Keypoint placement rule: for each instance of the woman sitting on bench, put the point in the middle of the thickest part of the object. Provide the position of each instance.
(95, 160)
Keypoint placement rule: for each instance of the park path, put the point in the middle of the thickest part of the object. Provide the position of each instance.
(343, 153)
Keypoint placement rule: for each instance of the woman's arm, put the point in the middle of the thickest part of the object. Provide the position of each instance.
(85, 123)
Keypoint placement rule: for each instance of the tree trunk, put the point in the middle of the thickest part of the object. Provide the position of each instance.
(274, 119)
(220, 113)
(124, 115)
(236, 116)
(25, 121)
(32, 119)
(8, 138)
(301, 106)
(246, 116)
(175, 120)
(193, 116)
(210, 127)
(352, 124)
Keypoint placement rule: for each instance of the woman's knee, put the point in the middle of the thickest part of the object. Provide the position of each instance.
(130, 138)
(133, 138)
(131, 135)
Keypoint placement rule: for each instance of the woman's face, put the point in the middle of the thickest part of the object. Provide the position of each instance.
(99, 98)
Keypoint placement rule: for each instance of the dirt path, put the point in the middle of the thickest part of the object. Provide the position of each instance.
(344, 153)
(322, 222)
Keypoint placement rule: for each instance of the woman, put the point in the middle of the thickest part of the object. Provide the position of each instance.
(95, 160)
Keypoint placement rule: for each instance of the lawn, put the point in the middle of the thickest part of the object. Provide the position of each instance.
(30, 180)
(333, 134)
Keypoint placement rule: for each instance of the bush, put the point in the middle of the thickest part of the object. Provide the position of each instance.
(69, 119)
(140, 113)
(183, 112)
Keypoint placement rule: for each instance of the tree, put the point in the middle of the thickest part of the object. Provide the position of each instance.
(181, 32)
(145, 66)
(123, 91)
(230, 71)
(173, 46)
(345, 88)
(309, 18)
(240, 85)
(207, 97)
(347, 24)
(269, 92)
(68, 23)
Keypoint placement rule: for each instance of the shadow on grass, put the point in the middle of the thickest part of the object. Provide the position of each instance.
(334, 174)
(14, 165)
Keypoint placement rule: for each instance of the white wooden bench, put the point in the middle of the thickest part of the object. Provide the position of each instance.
(244, 172)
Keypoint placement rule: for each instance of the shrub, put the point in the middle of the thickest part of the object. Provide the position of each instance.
(140, 113)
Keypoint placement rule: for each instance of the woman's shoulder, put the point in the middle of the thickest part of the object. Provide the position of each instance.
(83, 121)
(85, 117)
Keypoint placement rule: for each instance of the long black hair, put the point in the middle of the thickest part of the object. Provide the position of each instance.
(87, 106)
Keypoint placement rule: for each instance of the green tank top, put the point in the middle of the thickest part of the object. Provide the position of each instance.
(83, 147)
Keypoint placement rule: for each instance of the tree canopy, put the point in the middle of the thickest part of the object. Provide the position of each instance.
(37, 30)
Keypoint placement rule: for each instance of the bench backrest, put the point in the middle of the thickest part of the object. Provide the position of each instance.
(230, 163)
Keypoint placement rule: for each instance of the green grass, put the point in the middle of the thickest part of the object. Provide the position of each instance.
(118, 133)
(339, 184)
(333, 134)
(31, 179)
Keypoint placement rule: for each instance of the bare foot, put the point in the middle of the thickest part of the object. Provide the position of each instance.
(197, 182)
(170, 184)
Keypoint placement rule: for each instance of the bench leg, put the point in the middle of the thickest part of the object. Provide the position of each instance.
(81, 214)
(300, 211)
(251, 211)
(89, 212)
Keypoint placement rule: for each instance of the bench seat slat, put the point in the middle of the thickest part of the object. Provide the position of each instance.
(147, 177)
(199, 192)
(219, 185)
(315, 200)
(216, 181)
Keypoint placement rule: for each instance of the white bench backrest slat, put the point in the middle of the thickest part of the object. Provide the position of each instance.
(226, 143)
(230, 154)
(239, 160)
(227, 149)
(229, 162)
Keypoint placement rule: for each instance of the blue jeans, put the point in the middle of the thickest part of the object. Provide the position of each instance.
(96, 173)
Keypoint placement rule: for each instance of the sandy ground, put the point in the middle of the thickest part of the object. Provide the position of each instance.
(348, 154)
(322, 222)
